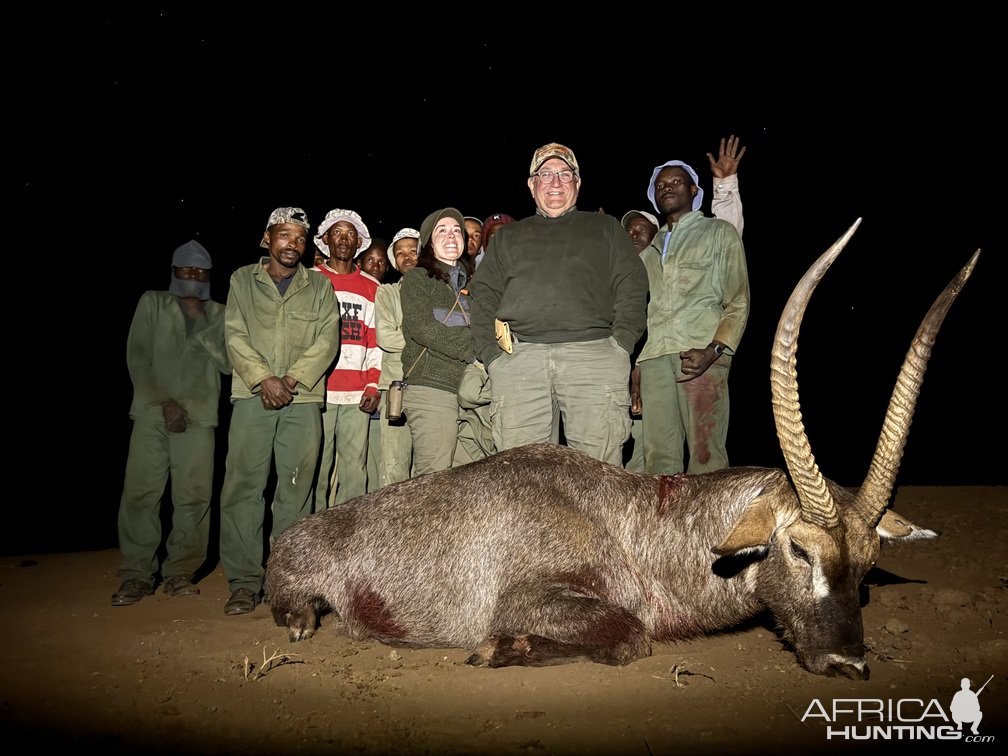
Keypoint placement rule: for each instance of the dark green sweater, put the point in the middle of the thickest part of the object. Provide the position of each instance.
(572, 278)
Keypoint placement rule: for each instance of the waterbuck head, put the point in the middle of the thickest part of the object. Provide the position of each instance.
(817, 539)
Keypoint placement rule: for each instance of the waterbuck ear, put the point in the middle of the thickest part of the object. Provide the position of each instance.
(751, 532)
(895, 527)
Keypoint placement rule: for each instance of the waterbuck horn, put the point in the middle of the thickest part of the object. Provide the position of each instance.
(817, 505)
(873, 496)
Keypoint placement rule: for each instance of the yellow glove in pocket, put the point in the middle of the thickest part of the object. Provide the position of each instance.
(502, 331)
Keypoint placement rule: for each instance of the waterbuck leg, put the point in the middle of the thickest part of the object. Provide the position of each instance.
(537, 651)
(301, 624)
(540, 625)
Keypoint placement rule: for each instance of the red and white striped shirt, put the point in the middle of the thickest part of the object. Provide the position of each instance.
(359, 364)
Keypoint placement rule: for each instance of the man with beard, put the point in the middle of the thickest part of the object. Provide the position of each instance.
(698, 307)
(283, 329)
(175, 352)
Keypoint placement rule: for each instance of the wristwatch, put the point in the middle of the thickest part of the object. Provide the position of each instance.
(718, 348)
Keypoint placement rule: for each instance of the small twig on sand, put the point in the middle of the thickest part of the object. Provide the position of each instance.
(276, 659)
(675, 672)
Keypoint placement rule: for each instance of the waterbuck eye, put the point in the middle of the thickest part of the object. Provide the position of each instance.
(799, 552)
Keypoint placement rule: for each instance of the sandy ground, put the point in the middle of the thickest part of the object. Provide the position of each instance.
(175, 675)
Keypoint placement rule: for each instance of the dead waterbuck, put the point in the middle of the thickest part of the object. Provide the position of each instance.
(540, 554)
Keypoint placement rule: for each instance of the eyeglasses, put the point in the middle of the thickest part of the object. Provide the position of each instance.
(546, 177)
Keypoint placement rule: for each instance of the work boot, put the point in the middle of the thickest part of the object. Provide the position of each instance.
(180, 585)
(242, 601)
(131, 591)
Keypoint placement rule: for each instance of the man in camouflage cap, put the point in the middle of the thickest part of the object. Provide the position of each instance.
(283, 325)
(572, 333)
(284, 216)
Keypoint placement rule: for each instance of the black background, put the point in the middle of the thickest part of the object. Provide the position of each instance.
(135, 131)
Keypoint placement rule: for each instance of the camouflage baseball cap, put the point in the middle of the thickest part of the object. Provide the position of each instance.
(286, 215)
(553, 150)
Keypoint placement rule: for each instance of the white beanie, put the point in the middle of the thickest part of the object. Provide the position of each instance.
(402, 233)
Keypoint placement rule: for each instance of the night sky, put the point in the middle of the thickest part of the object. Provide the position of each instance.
(146, 129)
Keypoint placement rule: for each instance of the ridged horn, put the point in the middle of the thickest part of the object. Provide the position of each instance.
(873, 496)
(817, 505)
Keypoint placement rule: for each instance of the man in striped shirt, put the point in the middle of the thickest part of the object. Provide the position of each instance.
(352, 383)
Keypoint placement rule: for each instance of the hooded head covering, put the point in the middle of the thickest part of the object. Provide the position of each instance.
(192, 254)
(697, 198)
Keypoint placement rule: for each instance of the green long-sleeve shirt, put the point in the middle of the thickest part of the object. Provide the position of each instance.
(700, 293)
(388, 327)
(295, 334)
(168, 360)
(554, 280)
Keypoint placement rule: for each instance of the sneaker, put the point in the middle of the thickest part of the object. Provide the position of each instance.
(180, 585)
(131, 591)
(242, 601)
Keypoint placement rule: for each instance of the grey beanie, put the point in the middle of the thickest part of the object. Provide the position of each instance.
(192, 254)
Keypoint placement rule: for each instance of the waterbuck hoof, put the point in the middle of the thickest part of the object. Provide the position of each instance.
(483, 654)
(301, 625)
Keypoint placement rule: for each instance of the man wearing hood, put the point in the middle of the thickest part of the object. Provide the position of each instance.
(175, 352)
(642, 227)
(697, 312)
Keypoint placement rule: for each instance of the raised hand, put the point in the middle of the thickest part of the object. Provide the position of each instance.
(729, 156)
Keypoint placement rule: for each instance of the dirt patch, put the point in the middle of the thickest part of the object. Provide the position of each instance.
(175, 675)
